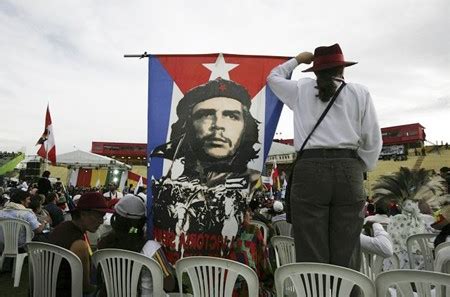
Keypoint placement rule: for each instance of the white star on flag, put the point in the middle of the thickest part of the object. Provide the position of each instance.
(220, 68)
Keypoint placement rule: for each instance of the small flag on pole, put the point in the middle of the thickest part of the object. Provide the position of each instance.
(139, 184)
(275, 177)
(47, 141)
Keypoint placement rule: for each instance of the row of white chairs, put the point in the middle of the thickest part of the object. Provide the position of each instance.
(284, 248)
(422, 242)
(216, 277)
(11, 232)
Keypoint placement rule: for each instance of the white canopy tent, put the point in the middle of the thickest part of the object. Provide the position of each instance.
(78, 159)
(84, 159)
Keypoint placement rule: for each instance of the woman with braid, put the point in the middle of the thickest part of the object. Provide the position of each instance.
(327, 195)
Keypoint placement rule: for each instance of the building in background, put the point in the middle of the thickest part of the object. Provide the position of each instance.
(130, 153)
(411, 135)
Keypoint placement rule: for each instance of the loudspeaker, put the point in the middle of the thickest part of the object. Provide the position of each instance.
(33, 172)
(34, 165)
(22, 174)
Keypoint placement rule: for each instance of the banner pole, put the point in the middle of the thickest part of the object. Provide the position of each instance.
(144, 55)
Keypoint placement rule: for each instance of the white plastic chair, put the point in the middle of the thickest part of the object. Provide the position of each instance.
(320, 280)
(215, 277)
(284, 247)
(425, 243)
(441, 246)
(121, 270)
(11, 234)
(282, 228)
(442, 261)
(409, 283)
(373, 264)
(263, 227)
(45, 260)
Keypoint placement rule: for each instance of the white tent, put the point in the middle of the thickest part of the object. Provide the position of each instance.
(79, 158)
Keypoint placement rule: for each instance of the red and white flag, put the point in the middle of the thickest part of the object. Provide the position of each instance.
(47, 140)
(275, 177)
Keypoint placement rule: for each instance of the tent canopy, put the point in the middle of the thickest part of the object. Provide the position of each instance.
(84, 159)
(281, 149)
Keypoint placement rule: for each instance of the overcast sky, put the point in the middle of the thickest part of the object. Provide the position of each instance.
(70, 54)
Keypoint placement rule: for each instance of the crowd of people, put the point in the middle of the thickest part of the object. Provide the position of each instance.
(128, 223)
(215, 194)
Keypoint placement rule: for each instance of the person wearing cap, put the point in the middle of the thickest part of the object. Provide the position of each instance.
(88, 216)
(215, 131)
(210, 145)
(327, 195)
(278, 209)
(128, 224)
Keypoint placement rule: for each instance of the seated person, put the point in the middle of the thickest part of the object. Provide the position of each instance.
(55, 212)
(370, 209)
(249, 249)
(17, 208)
(88, 216)
(36, 205)
(381, 212)
(403, 225)
(278, 209)
(427, 215)
(376, 240)
(443, 224)
(113, 193)
(128, 233)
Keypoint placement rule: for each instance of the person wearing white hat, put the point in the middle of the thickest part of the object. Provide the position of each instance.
(278, 208)
(128, 233)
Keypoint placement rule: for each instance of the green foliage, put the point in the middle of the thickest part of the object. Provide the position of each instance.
(417, 185)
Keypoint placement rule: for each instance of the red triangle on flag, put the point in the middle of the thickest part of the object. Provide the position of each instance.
(188, 71)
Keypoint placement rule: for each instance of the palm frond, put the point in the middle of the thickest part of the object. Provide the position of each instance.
(417, 185)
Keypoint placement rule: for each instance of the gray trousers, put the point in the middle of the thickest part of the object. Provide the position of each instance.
(327, 207)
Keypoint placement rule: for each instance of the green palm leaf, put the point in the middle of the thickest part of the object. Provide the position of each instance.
(417, 185)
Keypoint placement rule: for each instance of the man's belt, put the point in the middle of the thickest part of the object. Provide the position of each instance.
(329, 153)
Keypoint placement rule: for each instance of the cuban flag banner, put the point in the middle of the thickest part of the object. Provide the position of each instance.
(211, 122)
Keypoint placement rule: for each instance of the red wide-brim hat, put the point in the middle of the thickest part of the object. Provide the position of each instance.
(94, 201)
(326, 57)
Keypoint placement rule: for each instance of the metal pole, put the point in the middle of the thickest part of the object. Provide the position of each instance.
(144, 55)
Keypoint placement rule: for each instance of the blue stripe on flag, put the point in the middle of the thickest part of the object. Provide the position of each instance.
(160, 88)
(273, 112)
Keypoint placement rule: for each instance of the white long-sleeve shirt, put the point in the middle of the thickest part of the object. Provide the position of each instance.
(379, 244)
(350, 123)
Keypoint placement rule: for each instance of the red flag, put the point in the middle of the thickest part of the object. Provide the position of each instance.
(275, 177)
(47, 140)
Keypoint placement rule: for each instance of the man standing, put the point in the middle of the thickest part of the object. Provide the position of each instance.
(44, 184)
(327, 194)
(210, 146)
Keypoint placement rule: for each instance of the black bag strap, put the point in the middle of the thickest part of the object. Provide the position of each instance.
(322, 116)
(292, 166)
